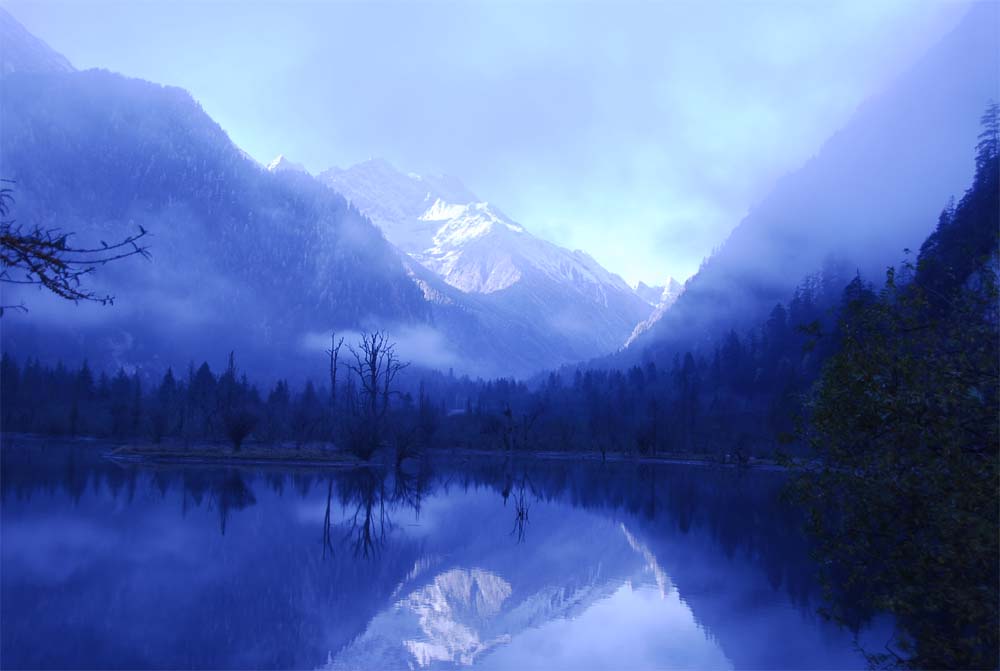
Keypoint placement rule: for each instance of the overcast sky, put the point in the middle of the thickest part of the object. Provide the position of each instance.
(639, 132)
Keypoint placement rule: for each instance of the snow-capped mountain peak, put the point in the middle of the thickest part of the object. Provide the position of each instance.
(282, 164)
(465, 240)
(473, 246)
(659, 293)
(649, 293)
(442, 211)
(671, 290)
(668, 295)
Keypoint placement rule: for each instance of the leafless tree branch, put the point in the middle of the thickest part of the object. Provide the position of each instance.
(46, 257)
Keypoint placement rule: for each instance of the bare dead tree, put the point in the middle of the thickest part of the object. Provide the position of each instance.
(375, 366)
(528, 422)
(367, 368)
(334, 354)
(45, 257)
(392, 367)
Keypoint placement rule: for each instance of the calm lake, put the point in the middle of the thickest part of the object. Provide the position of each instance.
(493, 563)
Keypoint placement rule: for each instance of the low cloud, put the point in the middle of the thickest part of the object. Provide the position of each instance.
(420, 345)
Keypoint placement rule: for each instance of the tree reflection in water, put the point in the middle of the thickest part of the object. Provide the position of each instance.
(697, 523)
(520, 514)
(510, 481)
(231, 493)
(368, 496)
(364, 490)
(327, 536)
(741, 511)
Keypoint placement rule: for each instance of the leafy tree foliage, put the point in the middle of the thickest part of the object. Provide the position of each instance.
(902, 492)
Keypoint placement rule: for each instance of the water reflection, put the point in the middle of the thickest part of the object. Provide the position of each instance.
(401, 566)
(520, 516)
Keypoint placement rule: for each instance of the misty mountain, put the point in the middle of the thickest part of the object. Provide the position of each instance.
(476, 248)
(20, 51)
(869, 192)
(242, 259)
(246, 259)
(264, 261)
(665, 298)
(652, 294)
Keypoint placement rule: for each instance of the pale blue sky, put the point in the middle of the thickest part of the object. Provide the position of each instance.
(640, 132)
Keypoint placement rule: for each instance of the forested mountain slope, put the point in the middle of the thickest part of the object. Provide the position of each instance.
(866, 195)
(241, 257)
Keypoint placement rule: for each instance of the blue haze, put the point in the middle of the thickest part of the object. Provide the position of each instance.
(581, 119)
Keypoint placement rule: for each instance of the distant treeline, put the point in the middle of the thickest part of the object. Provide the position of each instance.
(360, 414)
(738, 398)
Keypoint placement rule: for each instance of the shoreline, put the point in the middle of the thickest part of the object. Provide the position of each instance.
(278, 457)
(314, 456)
(220, 455)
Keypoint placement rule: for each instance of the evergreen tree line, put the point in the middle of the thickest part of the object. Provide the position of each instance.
(901, 489)
(737, 397)
(205, 406)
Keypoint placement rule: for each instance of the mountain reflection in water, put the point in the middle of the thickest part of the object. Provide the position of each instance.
(499, 563)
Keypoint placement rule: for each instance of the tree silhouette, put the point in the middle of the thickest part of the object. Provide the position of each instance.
(45, 257)
(375, 367)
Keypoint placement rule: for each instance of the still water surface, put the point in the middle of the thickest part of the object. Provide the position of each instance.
(493, 563)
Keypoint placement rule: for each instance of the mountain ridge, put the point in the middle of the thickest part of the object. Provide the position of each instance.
(473, 246)
(20, 51)
(854, 201)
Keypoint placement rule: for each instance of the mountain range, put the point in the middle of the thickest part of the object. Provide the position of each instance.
(269, 260)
